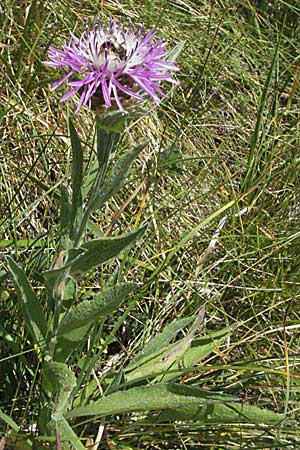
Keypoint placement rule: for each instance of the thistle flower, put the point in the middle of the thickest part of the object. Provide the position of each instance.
(107, 65)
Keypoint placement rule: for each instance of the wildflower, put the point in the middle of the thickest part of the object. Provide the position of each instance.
(110, 65)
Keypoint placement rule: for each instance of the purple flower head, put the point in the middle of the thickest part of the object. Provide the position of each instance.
(107, 65)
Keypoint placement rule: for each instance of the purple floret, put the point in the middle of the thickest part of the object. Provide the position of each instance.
(107, 65)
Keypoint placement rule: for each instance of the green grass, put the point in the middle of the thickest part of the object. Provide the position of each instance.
(229, 132)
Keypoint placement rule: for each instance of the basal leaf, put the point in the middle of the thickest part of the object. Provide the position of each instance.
(146, 398)
(31, 307)
(202, 347)
(169, 362)
(224, 413)
(159, 342)
(99, 251)
(9, 421)
(13, 440)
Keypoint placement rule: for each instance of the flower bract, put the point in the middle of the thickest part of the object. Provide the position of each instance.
(111, 65)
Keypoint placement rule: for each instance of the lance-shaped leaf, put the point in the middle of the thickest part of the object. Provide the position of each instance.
(65, 345)
(77, 174)
(169, 362)
(57, 279)
(59, 380)
(203, 346)
(90, 311)
(99, 251)
(31, 307)
(158, 344)
(223, 413)
(175, 52)
(116, 178)
(106, 144)
(65, 209)
(67, 434)
(117, 120)
(112, 121)
(153, 397)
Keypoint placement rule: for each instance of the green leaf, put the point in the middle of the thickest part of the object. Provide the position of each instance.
(116, 382)
(57, 280)
(145, 398)
(89, 179)
(9, 421)
(76, 324)
(175, 52)
(164, 363)
(90, 311)
(99, 251)
(189, 235)
(67, 434)
(223, 413)
(106, 144)
(59, 274)
(116, 121)
(23, 243)
(14, 441)
(175, 360)
(115, 180)
(77, 175)
(65, 209)
(31, 307)
(64, 346)
(202, 347)
(159, 342)
(59, 380)
(112, 121)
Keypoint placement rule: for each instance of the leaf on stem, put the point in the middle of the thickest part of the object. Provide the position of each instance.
(90, 311)
(77, 175)
(116, 121)
(116, 178)
(65, 209)
(99, 251)
(67, 434)
(31, 307)
(59, 380)
(175, 52)
(158, 344)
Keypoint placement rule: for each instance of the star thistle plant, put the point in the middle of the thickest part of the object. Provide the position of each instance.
(112, 65)
(107, 67)
(66, 321)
